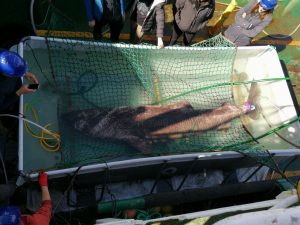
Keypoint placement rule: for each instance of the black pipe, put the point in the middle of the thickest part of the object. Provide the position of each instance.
(195, 195)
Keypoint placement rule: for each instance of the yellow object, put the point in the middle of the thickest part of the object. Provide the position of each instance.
(167, 209)
(65, 34)
(169, 17)
(230, 7)
(49, 140)
(155, 209)
(298, 189)
(156, 90)
(219, 22)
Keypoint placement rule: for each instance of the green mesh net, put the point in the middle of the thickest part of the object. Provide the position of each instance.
(91, 74)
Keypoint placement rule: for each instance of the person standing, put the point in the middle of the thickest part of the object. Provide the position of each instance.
(12, 68)
(102, 12)
(190, 16)
(43, 215)
(11, 215)
(148, 15)
(250, 21)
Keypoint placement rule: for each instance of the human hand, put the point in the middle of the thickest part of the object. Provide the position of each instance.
(244, 15)
(160, 43)
(24, 90)
(31, 77)
(139, 31)
(92, 23)
(43, 179)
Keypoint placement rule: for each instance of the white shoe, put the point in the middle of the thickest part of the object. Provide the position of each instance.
(160, 43)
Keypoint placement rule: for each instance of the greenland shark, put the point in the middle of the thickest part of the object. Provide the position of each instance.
(139, 126)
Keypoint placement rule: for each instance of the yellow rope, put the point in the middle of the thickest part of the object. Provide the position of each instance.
(156, 90)
(49, 140)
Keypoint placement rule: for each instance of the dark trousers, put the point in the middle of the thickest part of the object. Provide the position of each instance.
(115, 29)
(133, 26)
(6, 192)
(187, 37)
(11, 123)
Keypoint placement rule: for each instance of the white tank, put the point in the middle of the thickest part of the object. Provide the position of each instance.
(289, 216)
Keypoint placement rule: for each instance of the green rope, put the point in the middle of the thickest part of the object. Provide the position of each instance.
(265, 134)
(220, 85)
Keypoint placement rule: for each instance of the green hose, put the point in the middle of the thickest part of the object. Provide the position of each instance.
(132, 203)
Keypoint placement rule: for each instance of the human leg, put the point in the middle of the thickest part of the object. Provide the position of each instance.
(115, 29)
(97, 31)
(139, 29)
(187, 38)
(133, 27)
(176, 32)
(11, 123)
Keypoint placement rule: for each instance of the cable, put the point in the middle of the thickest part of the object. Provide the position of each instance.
(44, 21)
(65, 221)
(29, 121)
(72, 182)
(278, 170)
(282, 36)
(44, 129)
(44, 140)
(295, 157)
(4, 169)
(39, 65)
(253, 173)
(105, 187)
(68, 189)
(31, 17)
(147, 215)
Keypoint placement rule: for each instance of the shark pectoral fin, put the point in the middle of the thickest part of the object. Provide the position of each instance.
(175, 136)
(161, 135)
(140, 144)
(183, 104)
(224, 126)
